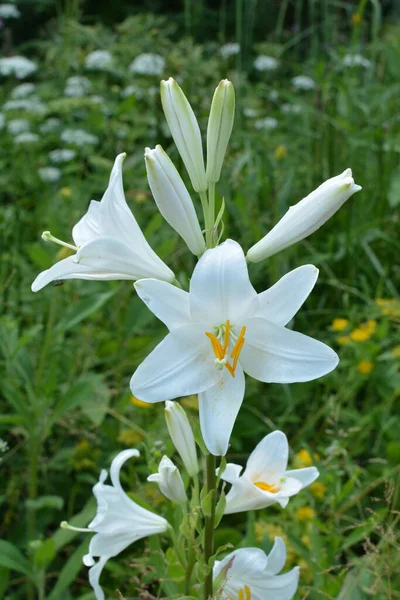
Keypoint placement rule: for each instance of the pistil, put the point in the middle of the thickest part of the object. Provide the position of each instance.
(47, 237)
(221, 351)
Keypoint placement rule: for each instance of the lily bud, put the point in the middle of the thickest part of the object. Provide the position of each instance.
(219, 128)
(182, 436)
(306, 216)
(169, 481)
(185, 131)
(173, 199)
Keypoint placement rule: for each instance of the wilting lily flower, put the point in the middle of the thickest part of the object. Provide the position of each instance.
(169, 481)
(182, 436)
(220, 330)
(249, 574)
(119, 522)
(109, 243)
(305, 217)
(265, 479)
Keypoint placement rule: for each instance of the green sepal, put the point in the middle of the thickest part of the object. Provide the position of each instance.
(220, 509)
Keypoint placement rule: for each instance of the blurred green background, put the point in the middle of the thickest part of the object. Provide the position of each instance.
(67, 352)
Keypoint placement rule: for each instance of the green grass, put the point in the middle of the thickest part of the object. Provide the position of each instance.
(67, 353)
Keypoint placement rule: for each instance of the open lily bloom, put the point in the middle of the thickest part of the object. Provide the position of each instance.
(119, 522)
(265, 480)
(249, 574)
(221, 329)
(109, 243)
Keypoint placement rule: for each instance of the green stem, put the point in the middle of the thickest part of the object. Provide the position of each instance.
(206, 212)
(209, 524)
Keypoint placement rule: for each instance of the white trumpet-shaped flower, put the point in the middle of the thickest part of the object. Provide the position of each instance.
(182, 436)
(109, 243)
(305, 217)
(173, 199)
(185, 130)
(169, 481)
(221, 329)
(265, 480)
(119, 522)
(249, 574)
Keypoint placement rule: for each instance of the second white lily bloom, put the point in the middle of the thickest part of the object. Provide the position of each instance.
(173, 199)
(169, 481)
(265, 480)
(220, 330)
(305, 217)
(109, 243)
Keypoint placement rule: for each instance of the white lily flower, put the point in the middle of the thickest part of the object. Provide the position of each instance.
(219, 129)
(169, 481)
(221, 329)
(182, 436)
(109, 243)
(185, 131)
(249, 574)
(305, 217)
(173, 199)
(265, 479)
(119, 522)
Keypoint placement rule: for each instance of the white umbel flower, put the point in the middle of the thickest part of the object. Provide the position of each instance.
(230, 49)
(221, 329)
(250, 574)
(19, 66)
(265, 480)
(303, 82)
(49, 174)
(148, 64)
(266, 63)
(305, 217)
(9, 11)
(108, 241)
(99, 60)
(169, 481)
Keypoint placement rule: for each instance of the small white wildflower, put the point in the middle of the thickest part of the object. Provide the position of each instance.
(17, 126)
(291, 109)
(23, 90)
(79, 137)
(266, 63)
(250, 113)
(97, 99)
(99, 60)
(2, 120)
(29, 105)
(8, 11)
(130, 90)
(26, 138)
(148, 64)
(228, 50)
(303, 82)
(77, 86)
(356, 60)
(50, 125)
(267, 123)
(49, 174)
(273, 95)
(62, 155)
(19, 66)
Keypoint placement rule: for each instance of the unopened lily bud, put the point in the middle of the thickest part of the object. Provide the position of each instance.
(219, 128)
(173, 199)
(185, 131)
(182, 436)
(306, 216)
(169, 481)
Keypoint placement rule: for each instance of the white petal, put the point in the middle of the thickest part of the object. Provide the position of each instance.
(166, 301)
(94, 576)
(89, 226)
(244, 496)
(277, 587)
(109, 254)
(182, 364)
(305, 476)
(277, 355)
(231, 473)
(243, 564)
(269, 459)
(220, 287)
(277, 557)
(281, 302)
(218, 409)
(118, 463)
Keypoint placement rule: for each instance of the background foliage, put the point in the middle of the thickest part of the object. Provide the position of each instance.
(67, 353)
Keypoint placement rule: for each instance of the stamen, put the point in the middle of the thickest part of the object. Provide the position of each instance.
(216, 346)
(47, 237)
(247, 591)
(66, 525)
(267, 487)
(241, 595)
(227, 332)
(221, 351)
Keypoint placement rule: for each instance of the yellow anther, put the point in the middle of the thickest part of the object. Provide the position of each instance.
(266, 487)
(247, 591)
(221, 351)
(241, 595)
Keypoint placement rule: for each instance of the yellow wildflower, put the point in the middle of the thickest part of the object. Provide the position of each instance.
(369, 326)
(66, 192)
(306, 540)
(390, 307)
(129, 437)
(261, 530)
(365, 366)
(318, 490)
(304, 458)
(281, 152)
(190, 402)
(395, 352)
(360, 335)
(356, 19)
(305, 513)
(140, 403)
(307, 574)
(343, 339)
(340, 324)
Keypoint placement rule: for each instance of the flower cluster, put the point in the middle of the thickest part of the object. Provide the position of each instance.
(219, 330)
